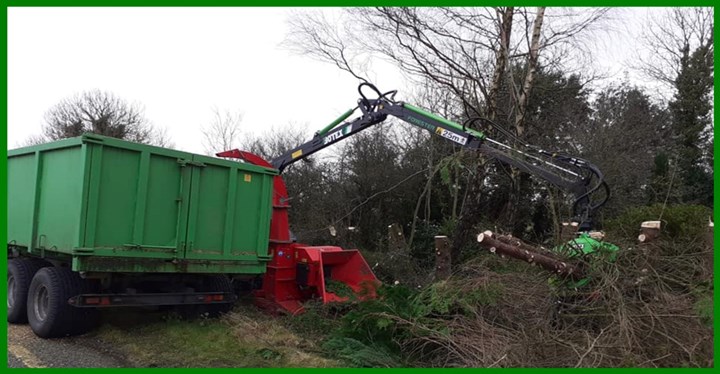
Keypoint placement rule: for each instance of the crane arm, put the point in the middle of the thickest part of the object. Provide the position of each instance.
(572, 174)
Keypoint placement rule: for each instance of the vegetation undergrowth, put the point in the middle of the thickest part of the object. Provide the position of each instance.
(652, 307)
(245, 337)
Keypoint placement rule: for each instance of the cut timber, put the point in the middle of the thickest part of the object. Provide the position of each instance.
(568, 231)
(649, 231)
(396, 239)
(442, 258)
(551, 264)
(651, 225)
(511, 240)
(597, 235)
(709, 236)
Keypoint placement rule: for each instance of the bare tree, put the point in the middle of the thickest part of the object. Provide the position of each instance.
(222, 133)
(102, 113)
(486, 57)
(464, 50)
(501, 60)
(532, 62)
(670, 37)
(325, 41)
(32, 140)
(161, 138)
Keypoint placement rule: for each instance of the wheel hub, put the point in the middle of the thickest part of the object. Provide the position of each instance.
(11, 291)
(42, 300)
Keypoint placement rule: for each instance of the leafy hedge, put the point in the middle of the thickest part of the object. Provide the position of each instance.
(685, 222)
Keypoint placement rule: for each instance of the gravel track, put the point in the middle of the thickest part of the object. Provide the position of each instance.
(25, 350)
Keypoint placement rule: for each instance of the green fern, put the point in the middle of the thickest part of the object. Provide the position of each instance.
(360, 354)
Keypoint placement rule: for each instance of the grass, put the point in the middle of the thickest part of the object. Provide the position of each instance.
(704, 308)
(243, 338)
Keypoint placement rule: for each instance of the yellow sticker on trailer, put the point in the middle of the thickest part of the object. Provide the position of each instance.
(248, 178)
(297, 153)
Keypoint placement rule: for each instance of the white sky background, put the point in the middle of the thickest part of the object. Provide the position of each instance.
(180, 63)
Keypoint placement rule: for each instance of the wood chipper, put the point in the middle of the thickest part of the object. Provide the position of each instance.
(297, 272)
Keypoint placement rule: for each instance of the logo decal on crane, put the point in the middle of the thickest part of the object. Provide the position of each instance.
(337, 134)
(420, 123)
(451, 135)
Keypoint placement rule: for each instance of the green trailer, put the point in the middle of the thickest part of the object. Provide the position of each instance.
(95, 221)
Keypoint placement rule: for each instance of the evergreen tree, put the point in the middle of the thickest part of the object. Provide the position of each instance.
(691, 109)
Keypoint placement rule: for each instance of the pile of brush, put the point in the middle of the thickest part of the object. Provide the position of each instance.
(651, 307)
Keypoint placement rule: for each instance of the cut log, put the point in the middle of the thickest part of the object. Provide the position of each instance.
(597, 235)
(511, 240)
(568, 231)
(649, 231)
(442, 258)
(551, 264)
(396, 239)
(709, 237)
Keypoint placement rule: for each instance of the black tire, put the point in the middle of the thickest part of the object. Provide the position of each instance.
(211, 283)
(218, 283)
(49, 313)
(20, 274)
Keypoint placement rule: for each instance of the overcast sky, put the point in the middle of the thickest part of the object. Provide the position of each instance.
(180, 63)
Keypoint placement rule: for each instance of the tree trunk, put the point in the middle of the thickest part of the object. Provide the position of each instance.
(530, 75)
(547, 263)
(396, 239)
(568, 231)
(516, 212)
(468, 213)
(443, 259)
(511, 240)
(710, 237)
(555, 215)
(501, 57)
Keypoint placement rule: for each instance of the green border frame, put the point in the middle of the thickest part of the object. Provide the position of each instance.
(310, 3)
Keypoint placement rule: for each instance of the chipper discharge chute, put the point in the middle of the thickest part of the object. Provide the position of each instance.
(334, 274)
(329, 274)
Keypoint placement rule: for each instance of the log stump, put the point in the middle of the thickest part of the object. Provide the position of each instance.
(568, 231)
(442, 258)
(396, 239)
(649, 231)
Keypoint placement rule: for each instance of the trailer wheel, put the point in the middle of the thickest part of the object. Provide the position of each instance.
(19, 276)
(211, 283)
(49, 313)
(218, 283)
